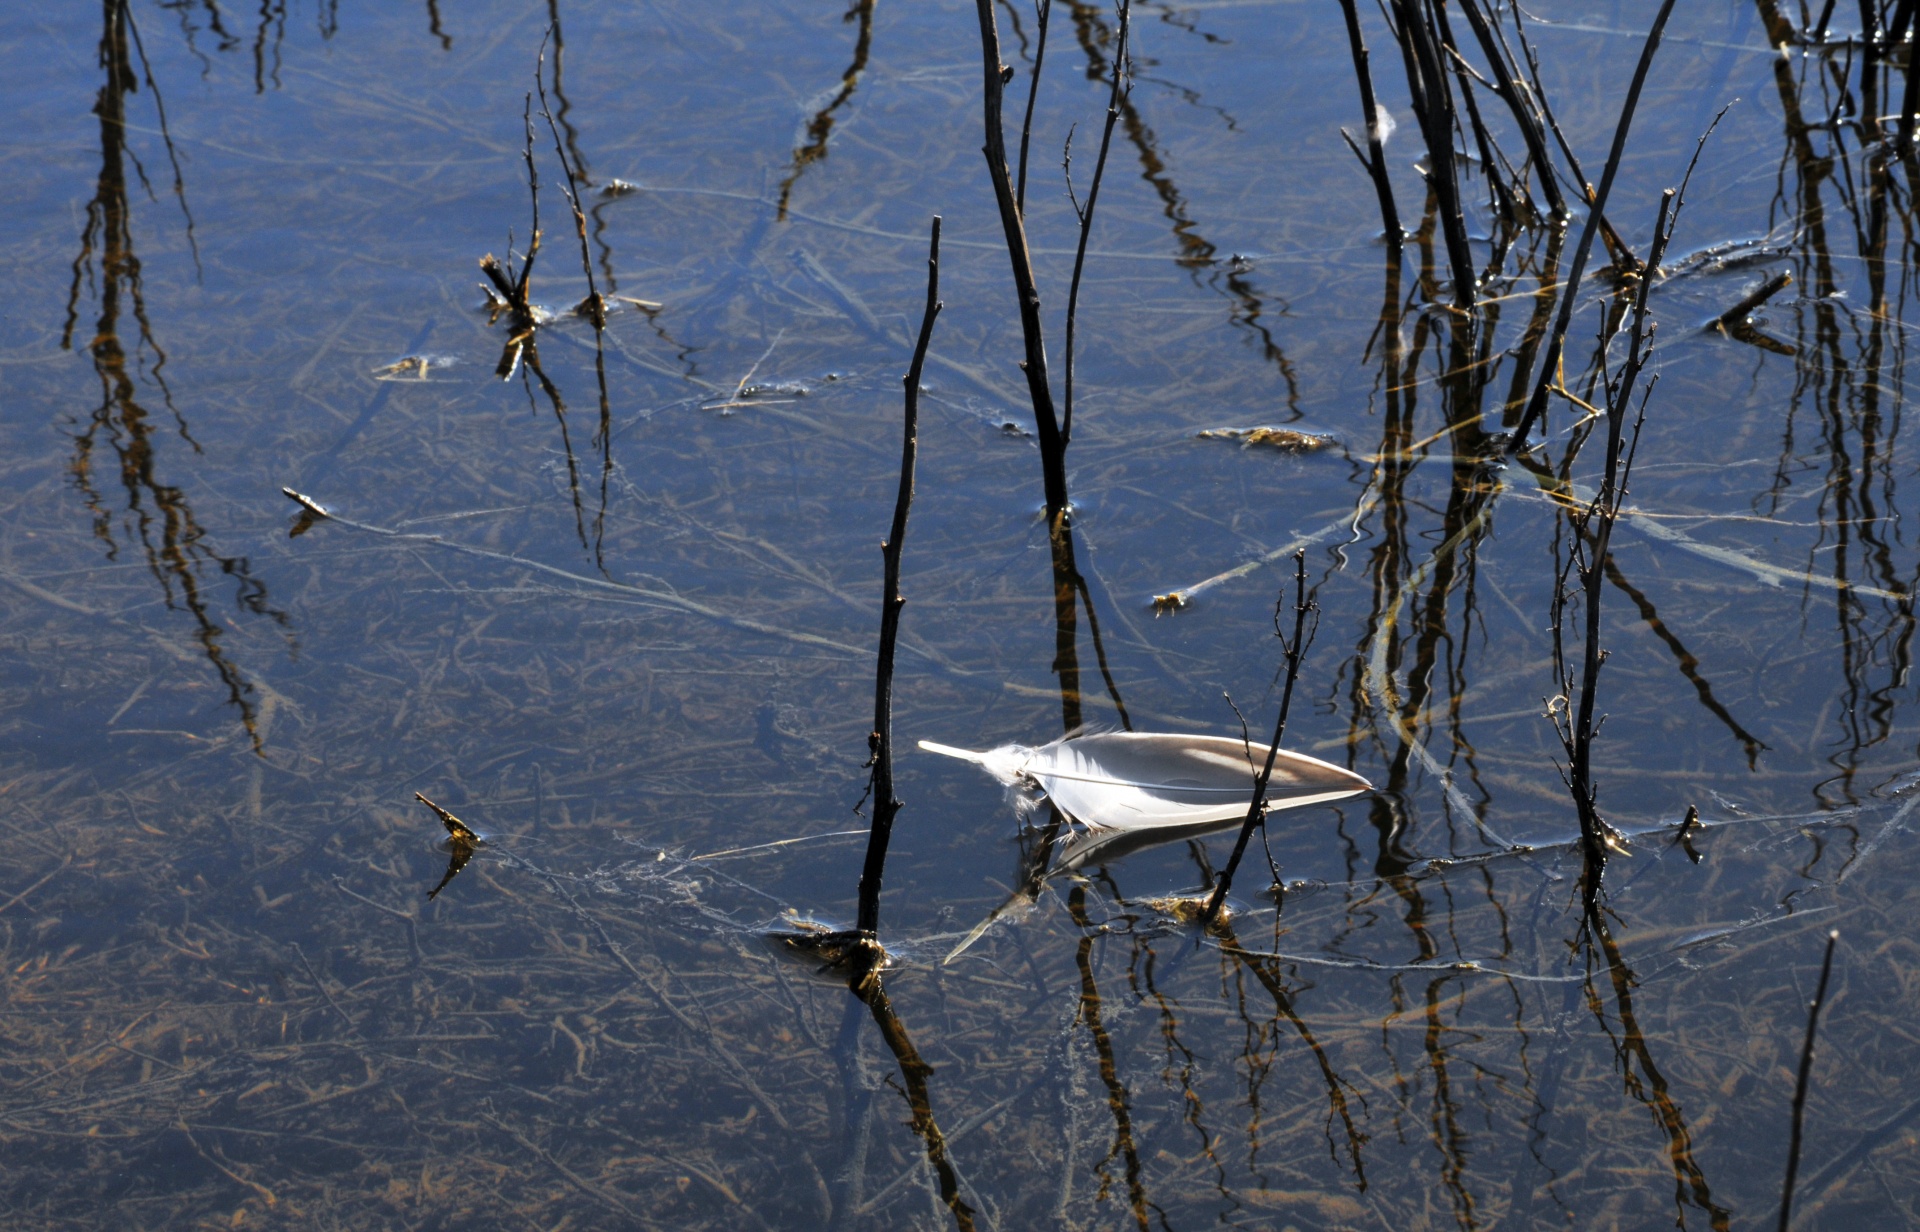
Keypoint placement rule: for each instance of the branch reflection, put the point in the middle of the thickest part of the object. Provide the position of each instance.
(820, 127)
(1849, 363)
(869, 991)
(1229, 278)
(1649, 1086)
(176, 546)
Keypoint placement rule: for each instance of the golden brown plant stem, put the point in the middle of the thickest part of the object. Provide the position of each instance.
(914, 1072)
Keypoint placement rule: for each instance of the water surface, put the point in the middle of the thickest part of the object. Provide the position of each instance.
(623, 623)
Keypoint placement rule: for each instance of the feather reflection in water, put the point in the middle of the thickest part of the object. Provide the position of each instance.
(1151, 780)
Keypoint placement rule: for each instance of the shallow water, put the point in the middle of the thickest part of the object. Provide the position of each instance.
(625, 628)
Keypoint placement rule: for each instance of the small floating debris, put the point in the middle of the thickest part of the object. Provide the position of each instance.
(1172, 601)
(775, 389)
(461, 843)
(1690, 825)
(1286, 440)
(412, 368)
(841, 951)
(762, 393)
(618, 187)
(1188, 909)
(311, 513)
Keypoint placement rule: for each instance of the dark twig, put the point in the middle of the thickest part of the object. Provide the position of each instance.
(1490, 158)
(1611, 237)
(1800, 1084)
(1432, 100)
(1736, 316)
(1376, 160)
(1033, 92)
(594, 307)
(1550, 366)
(1293, 650)
(1053, 462)
(1122, 89)
(1505, 83)
(509, 285)
(1593, 534)
(880, 741)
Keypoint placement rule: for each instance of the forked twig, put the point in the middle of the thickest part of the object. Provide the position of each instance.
(1556, 341)
(1293, 649)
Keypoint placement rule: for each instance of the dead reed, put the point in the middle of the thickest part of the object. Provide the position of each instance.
(1801, 1080)
(1053, 428)
(1292, 649)
(880, 741)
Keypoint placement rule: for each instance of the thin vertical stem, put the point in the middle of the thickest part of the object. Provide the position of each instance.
(1376, 151)
(1053, 463)
(1033, 92)
(880, 741)
(1537, 404)
(1122, 86)
(1257, 810)
(1800, 1084)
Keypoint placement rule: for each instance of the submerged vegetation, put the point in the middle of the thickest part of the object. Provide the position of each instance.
(1576, 388)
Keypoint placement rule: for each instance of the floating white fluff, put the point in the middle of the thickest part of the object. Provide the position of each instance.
(1145, 780)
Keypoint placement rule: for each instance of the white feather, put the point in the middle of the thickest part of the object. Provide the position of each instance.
(1148, 780)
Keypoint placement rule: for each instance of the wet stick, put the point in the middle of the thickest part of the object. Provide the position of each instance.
(1506, 84)
(1053, 461)
(880, 741)
(1033, 93)
(1122, 87)
(1257, 810)
(1550, 366)
(1800, 1083)
(1736, 316)
(1376, 160)
(1592, 538)
(1432, 99)
(1491, 160)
